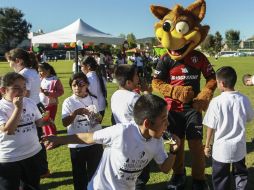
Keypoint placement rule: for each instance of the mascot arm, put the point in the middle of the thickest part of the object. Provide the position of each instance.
(182, 93)
(202, 100)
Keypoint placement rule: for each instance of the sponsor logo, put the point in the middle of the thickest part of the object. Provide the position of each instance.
(198, 126)
(188, 77)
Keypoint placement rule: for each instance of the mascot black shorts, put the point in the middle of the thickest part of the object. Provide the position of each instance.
(186, 124)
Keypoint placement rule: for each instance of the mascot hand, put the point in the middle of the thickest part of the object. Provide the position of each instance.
(201, 102)
(182, 93)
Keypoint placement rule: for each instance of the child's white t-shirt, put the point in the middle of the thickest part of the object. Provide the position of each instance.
(81, 122)
(227, 114)
(33, 83)
(95, 88)
(125, 155)
(122, 104)
(24, 143)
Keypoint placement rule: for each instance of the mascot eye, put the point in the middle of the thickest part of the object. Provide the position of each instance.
(182, 27)
(167, 25)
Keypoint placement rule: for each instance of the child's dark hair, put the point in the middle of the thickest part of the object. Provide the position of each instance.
(82, 76)
(9, 78)
(227, 75)
(124, 73)
(245, 77)
(92, 63)
(76, 76)
(29, 58)
(149, 107)
(48, 67)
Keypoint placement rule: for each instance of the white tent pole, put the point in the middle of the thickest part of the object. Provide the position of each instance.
(76, 58)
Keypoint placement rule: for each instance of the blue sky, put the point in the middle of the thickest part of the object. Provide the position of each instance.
(130, 16)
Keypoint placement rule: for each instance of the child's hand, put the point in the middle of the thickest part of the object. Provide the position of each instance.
(18, 102)
(45, 92)
(50, 142)
(81, 111)
(208, 151)
(174, 147)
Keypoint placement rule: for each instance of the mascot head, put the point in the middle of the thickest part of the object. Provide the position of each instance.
(179, 30)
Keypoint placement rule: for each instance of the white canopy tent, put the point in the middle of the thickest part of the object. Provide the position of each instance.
(78, 30)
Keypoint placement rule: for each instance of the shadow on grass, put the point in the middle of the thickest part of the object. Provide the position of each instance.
(250, 178)
(60, 132)
(250, 147)
(61, 174)
(154, 167)
(163, 185)
(56, 184)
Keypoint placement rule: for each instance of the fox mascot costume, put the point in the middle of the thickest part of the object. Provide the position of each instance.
(177, 78)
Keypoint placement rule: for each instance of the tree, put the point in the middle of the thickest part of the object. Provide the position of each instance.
(13, 28)
(232, 39)
(154, 42)
(131, 40)
(217, 42)
(208, 44)
(122, 36)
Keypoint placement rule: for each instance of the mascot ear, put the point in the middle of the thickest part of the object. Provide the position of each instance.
(159, 12)
(198, 8)
(204, 31)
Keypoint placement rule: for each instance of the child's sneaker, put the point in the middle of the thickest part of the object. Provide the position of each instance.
(177, 182)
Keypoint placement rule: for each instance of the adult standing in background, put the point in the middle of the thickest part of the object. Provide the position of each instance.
(43, 57)
(102, 64)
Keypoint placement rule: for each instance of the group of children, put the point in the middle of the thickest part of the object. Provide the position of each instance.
(129, 146)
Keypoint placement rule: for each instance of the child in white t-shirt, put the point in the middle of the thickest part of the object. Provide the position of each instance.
(97, 82)
(19, 143)
(129, 147)
(79, 115)
(124, 99)
(51, 89)
(225, 119)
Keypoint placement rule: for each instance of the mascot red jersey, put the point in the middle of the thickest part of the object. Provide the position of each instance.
(177, 78)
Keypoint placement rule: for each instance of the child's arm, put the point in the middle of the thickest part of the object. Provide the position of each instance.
(207, 148)
(51, 142)
(169, 162)
(12, 123)
(70, 118)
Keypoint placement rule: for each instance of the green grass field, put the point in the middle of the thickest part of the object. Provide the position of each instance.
(59, 159)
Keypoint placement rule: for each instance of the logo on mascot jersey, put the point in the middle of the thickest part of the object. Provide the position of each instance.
(184, 70)
(194, 59)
